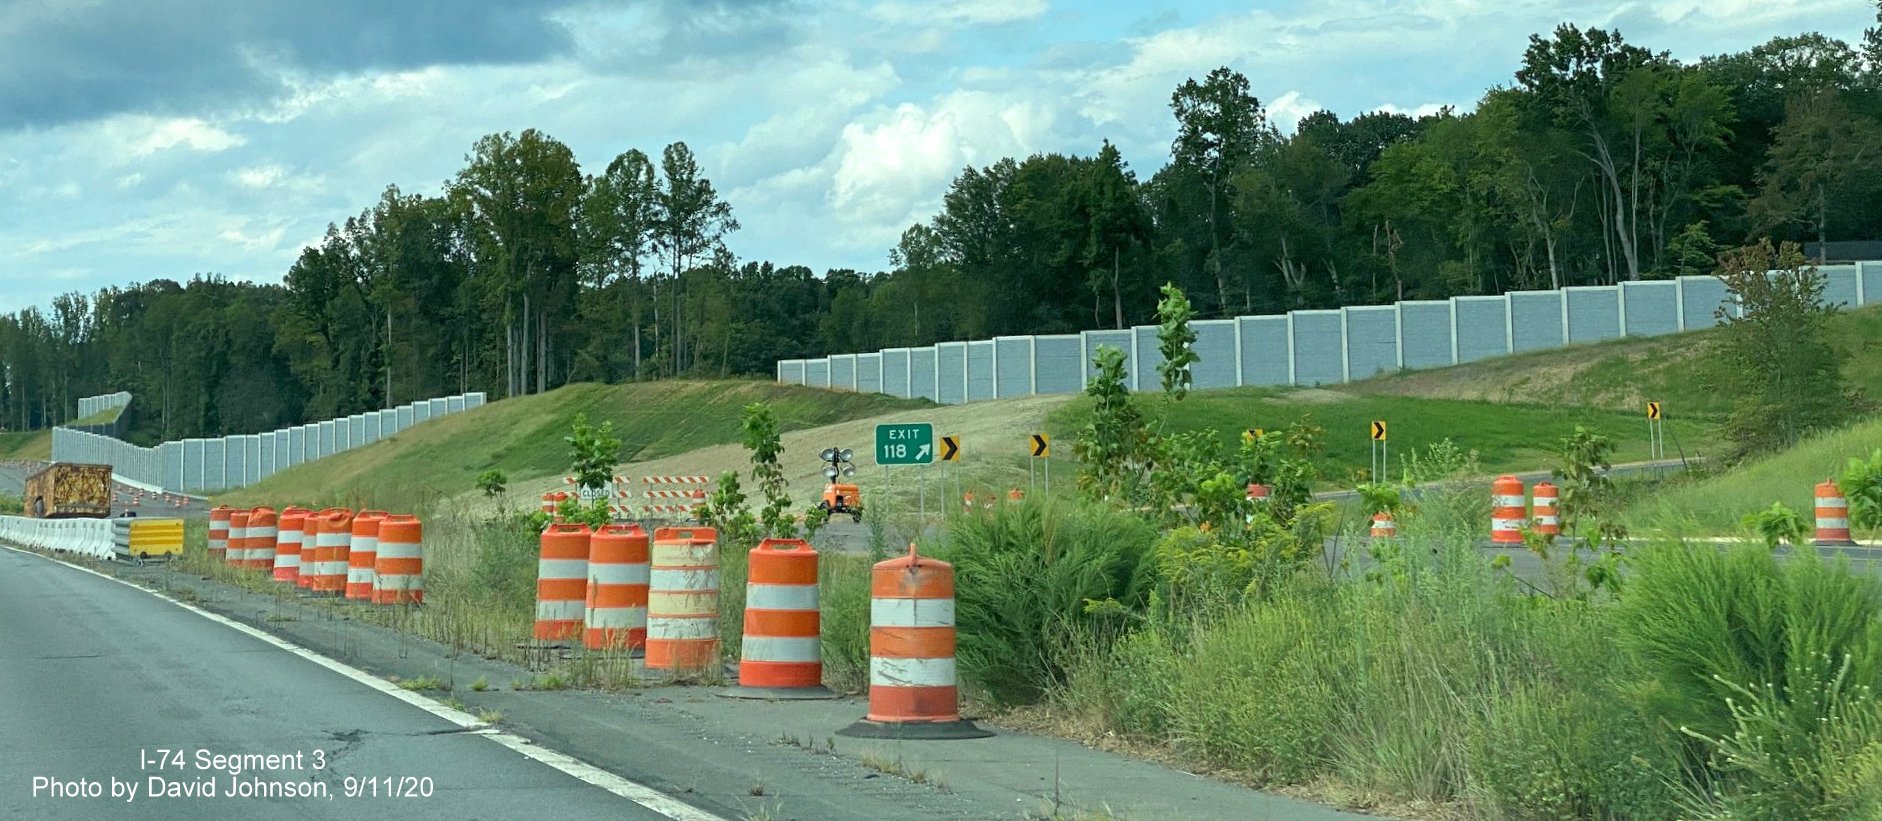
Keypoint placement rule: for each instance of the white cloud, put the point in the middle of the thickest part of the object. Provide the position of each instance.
(965, 12)
(190, 133)
(1287, 110)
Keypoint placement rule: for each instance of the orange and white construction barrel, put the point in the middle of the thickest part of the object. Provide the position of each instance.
(237, 553)
(399, 569)
(1508, 510)
(1383, 527)
(1548, 510)
(562, 582)
(913, 689)
(1832, 516)
(287, 544)
(618, 567)
(335, 540)
(218, 532)
(683, 600)
(781, 655)
(362, 553)
(262, 531)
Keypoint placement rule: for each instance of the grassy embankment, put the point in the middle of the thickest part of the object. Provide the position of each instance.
(30, 444)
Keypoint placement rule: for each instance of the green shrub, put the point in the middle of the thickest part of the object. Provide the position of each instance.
(1026, 578)
(843, 596)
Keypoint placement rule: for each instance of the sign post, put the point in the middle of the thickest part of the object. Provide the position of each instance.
(951, 452)
(1656, 432)
(1042, 449)
(1379, 462)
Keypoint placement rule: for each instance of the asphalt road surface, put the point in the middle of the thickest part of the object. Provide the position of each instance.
(97, 677)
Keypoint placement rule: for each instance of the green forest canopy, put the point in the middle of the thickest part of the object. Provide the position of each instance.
(1600, 161)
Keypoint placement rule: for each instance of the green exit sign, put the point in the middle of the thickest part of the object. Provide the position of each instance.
(905, 444)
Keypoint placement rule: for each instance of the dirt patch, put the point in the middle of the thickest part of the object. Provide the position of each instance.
(1315, 396)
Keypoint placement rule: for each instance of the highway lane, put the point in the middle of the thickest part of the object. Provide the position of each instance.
(96, 677)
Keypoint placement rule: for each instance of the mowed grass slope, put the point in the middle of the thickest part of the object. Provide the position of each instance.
(1507, 437)
(1623, 374)
(523, 437)
(1715, 504)
(29, 444)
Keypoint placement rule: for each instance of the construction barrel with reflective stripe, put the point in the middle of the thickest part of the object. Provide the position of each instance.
(781, 654)
(336, 537)
(219, 532)
(399, 570)
(1383, 527)
(237, 554)
(287, 544)
(262, 526)
(1548, 515)
(362, 553)
(1507, 510)
(913, 689)
(1832, 516)
(683, 600)
(618, 559)
(562, 582)
(311, 525)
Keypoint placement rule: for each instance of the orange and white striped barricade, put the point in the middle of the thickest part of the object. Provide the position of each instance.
(1383, 527)
(967, 501)
(1507, 511)
(913, 689)
(287, 544)
(1015, 495)
(1832, 516)
(618, 567)
(237, 553)
(562, 582)
(781, 655)
(263, 525)
(1548, 502)
(311, 525)
(218, 531)
(683, 600)
(399, 569)
(335, 540)
(552, 503)
(673, 498)
(362, 554)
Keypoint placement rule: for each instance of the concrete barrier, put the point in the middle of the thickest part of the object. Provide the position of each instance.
(85, 537)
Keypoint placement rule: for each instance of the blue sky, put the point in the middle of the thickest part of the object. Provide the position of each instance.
(162, 138)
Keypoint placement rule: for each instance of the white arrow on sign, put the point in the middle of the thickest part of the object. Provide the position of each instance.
(922, 454)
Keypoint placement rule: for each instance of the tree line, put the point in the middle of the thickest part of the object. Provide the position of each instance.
(1600, 161)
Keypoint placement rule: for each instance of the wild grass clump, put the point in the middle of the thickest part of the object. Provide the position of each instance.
(1030, 577)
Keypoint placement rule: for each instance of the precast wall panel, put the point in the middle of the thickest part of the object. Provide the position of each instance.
(375, 426)
(895, 381)
(1317, 345)
(979, 370)
(1145, 359)
(1056, 364)
(791, 372)
(921, 374)
(270, 452)
(1871, 274)
(192, 464)
(869, 373)
(454, 404)
(474, 399)
(1482, 324)
(1215, 352)
(328, 439)
(171, 455)
(817, 373)
(356, 430)
(1425, 332)
(405, 417)
(1371, 341)
(1701, 298)
(1265, 354)
(1594, 312)
(1839, 285)
(421, 412)
(215, 464)
(1012, 366)
(950, 372)
(1652, 308)
(1119, 339)
(843, 371)
(439, 407)
(251, 454)
(1535, 320)
(234, 461)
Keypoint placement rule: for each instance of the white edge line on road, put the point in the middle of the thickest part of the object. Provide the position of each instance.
(569, 765)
